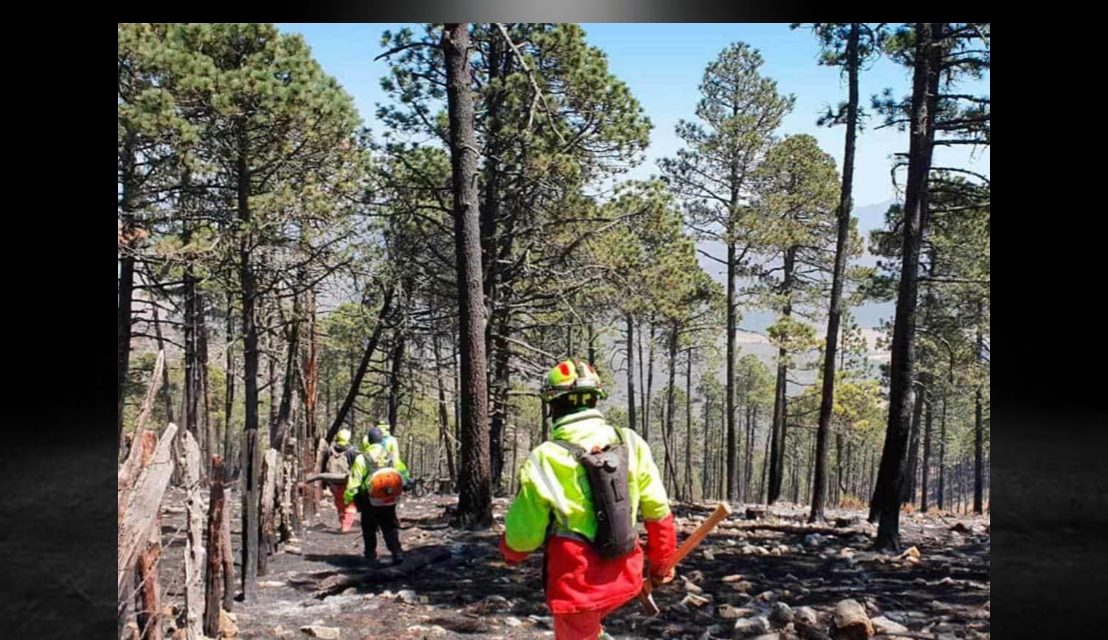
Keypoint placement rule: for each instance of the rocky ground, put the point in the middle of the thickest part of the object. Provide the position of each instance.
(770, 578)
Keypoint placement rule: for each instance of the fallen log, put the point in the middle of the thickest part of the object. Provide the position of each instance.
(783, 527)
(414, 560)
(327, 478)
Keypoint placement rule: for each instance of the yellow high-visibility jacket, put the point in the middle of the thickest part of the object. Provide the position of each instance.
(552, 483)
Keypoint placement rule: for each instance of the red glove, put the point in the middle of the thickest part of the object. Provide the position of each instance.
(661, 540)
(511, 556)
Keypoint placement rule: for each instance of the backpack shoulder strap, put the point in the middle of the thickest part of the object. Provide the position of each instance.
(575, 449)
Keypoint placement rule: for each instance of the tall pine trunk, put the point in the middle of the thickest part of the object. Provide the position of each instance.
(251, 453)
(667, 431)
(229, 390)
(631, 422)
(777, 447)
(475, 495)
(126, 283)
(704, 493)
(885, 505)
(751, 424)
(166, 395)
(688, 426)
(499, 396)
(827, 400)
(279, 429)
(729, 401)
(444, 422)
(358, 374)
(926, 471)
(908, 490)
(979, 424)
(649, 383)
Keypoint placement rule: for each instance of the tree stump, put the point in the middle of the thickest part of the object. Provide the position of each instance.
(194, 543)
(214, 580)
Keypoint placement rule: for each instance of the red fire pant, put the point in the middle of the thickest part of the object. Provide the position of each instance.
(580, 626)
(345, 511)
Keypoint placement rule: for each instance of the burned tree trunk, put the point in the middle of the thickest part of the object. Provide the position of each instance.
(359, 373)
(148, 587)
(819, 490)
(194, 545)
(670, 472)
(279, 428)
(140, 502)
(926, 471)
(908, 488)
(886, 498)
(777, 447)
(444, 422)
(166, 395)
(631, 421)
(250, 298)
(649, 384)
(229, 391)
(729, 388)
(688, 427)
(267, 533)
(214, 579)
(127, 244)
(979, 424)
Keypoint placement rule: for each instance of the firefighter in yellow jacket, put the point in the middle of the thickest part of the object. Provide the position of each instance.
(375, 485)
(590, 567)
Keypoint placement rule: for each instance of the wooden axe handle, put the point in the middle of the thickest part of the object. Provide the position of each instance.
(722, 511)
(646, 596)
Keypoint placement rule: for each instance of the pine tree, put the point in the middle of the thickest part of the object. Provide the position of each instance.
(737, 115)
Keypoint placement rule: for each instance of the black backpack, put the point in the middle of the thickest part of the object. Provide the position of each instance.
(607, 470)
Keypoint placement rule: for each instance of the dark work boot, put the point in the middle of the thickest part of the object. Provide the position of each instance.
(392, 541)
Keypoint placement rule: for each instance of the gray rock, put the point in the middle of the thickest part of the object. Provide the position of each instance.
(751, 627)
(881, 624)
(781, 614)
(742, 586)
(407, 596)
(323, 633)
(727, 612)
(806, 615)
(497, 603)
(546, 621)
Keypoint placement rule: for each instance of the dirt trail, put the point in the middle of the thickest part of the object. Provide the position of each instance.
(737, 575)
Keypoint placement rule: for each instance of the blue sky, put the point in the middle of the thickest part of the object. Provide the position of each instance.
(663, 64)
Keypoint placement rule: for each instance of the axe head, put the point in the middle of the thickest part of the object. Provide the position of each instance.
(646, 597)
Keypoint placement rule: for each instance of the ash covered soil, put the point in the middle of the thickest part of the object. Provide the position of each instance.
(750, 579)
